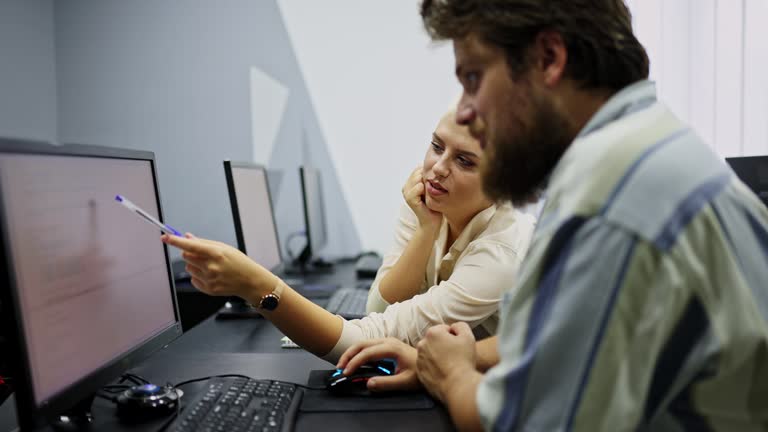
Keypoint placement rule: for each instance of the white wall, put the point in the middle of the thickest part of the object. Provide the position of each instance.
(711, 66)
(378, 87)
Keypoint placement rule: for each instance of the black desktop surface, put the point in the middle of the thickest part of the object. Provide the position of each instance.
(196, 306)
(249, 347)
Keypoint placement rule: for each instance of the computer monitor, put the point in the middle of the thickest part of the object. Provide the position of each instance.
(314, 215)
(255, 226)
(87, 285)
(753, 171)
(256, 232)
(252, 212)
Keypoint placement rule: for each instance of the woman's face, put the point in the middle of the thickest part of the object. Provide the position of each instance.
(452, 172)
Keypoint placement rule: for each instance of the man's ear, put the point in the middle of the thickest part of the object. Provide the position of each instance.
(551, 57)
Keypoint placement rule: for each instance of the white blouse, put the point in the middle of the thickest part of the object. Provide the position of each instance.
(466, 284)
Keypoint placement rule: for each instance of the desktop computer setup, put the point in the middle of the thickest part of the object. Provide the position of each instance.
(88, 288)
(307, 261)
(257, 237)
(88, 293)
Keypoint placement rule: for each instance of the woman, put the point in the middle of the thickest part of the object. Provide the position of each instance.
(451, 238)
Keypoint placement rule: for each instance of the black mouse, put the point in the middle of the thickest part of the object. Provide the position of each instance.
(356, 384)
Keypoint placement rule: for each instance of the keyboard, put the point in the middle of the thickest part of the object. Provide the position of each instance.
(241, 405)
(348, 302)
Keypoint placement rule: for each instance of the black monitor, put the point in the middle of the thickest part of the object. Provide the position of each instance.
(87, 285)
(255, 226)
(252, 212)
(314, 220)
(753, 171)
(256, 231)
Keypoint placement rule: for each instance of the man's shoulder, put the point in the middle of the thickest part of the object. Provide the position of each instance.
(647, 173)
(666, 187)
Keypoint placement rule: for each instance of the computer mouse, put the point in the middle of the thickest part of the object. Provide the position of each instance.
(356, 384)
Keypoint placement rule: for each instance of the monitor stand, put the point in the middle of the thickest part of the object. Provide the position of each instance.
(79, 417)
(238, 309)
(304, 265)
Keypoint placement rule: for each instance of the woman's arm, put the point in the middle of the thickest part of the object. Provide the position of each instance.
(307, 324)
(413, 244)
(404, 279)
(219, 269)
(471, 294)
(487, 353)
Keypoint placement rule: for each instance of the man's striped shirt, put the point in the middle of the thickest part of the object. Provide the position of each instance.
(643, 300)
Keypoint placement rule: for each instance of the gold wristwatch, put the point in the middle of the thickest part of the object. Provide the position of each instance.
(272, 300)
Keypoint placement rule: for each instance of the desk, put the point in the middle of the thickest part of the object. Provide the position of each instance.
(250, 347)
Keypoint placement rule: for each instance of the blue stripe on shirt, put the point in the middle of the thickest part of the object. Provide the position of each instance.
(688, 208)
(636, 164)
(603, 325)
(760, 234)
(558, 253)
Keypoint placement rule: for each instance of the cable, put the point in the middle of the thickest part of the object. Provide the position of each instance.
(242, 376)
(194, 380)
(115, 389)
(136, 379)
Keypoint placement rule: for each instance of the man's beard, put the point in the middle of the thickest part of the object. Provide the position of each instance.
(517, 167)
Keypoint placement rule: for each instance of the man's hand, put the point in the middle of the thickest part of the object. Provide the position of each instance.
(377, 349)
(445, 355)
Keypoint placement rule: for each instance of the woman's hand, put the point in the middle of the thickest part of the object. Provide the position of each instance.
(376, 349)
(218, 269)
(414, 193)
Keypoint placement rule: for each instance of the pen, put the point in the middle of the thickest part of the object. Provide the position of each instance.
(133, 207)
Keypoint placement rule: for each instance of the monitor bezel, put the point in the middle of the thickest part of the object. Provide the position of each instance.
(30, 414)
(240, 236)
(311, 250)
(308, 251)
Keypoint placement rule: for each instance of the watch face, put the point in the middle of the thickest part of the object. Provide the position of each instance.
(269, 302)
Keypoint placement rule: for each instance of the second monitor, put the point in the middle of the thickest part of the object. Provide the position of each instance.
(308, 260)
(256, 231)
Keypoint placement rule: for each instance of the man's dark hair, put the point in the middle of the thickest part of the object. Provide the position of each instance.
(603, 53)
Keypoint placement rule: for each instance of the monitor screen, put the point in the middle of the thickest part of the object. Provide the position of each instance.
(252, 211)
(90, 279)
(314, 211)
(753, 171)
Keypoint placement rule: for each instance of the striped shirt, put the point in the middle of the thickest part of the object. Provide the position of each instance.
(643, 301)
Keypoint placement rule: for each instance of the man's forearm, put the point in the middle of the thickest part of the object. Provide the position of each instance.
(462, 402)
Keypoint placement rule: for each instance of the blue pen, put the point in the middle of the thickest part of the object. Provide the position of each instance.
(133, 207)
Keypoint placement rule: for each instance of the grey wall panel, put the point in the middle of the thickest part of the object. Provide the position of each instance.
(27, 70)
(172, 76)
